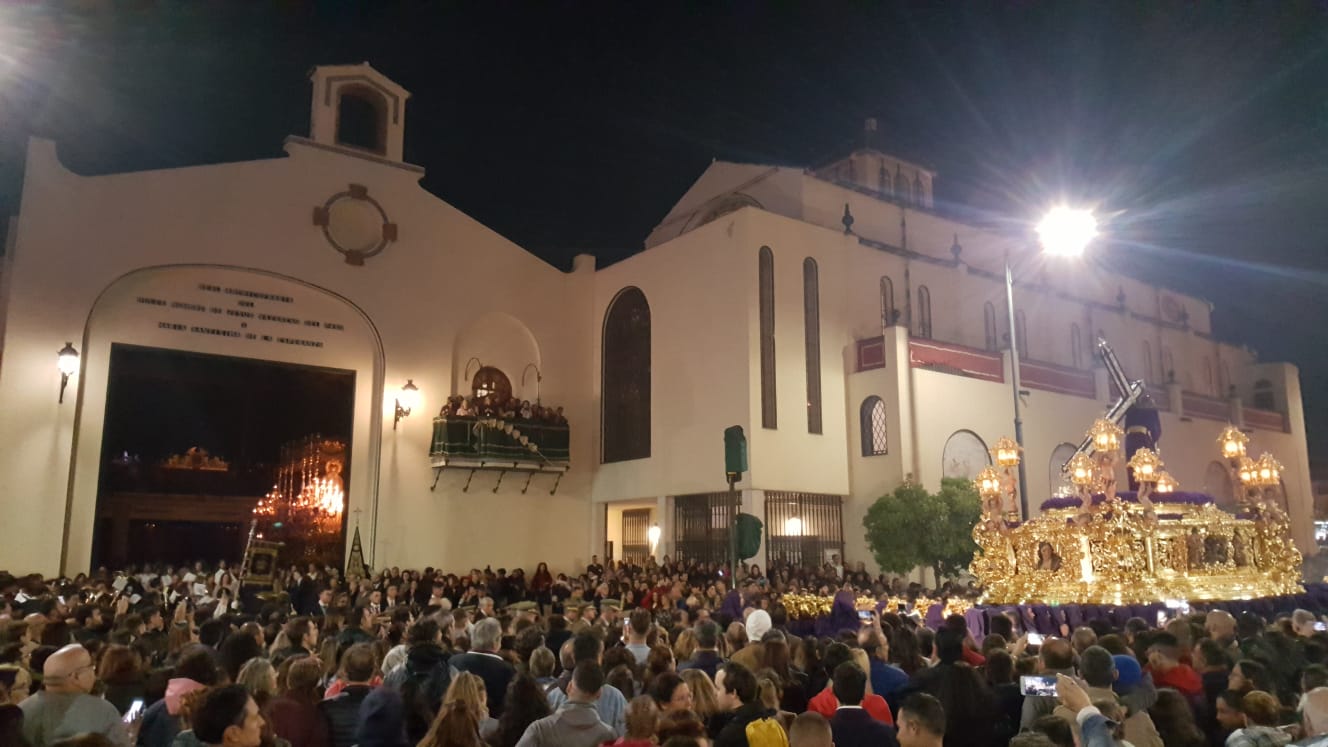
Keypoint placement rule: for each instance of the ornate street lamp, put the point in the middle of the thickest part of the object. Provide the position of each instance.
(407, 399)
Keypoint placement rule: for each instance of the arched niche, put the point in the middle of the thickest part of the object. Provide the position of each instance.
(965, 455)
(234, 312)
(500, 341)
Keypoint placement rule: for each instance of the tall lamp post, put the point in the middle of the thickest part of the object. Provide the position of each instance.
(1063, 232)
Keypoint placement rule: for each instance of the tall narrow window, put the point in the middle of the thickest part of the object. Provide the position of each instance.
(989, 326)
(811, 315)
(1021, 331)
(1168, 366)
(1208, 376)
(1228, 383)
(626, 377)
(766, 280)
(1149, 374)
(874, 432)
(924, 312)
(1076, 346)
(885, 181)
(887, 302)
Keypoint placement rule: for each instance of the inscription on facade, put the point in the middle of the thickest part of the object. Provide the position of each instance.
(246, 309)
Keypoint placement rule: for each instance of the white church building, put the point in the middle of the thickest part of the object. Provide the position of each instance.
(855, 354)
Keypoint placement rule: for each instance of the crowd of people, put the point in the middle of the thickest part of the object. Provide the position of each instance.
(673, 654)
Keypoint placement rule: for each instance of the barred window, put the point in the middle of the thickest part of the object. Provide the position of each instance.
(924, 312)
(887, 301)
(766, 281)
(874, 433)
(811, 314)
(626, 377)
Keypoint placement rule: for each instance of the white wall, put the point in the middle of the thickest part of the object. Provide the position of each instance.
(420, 294)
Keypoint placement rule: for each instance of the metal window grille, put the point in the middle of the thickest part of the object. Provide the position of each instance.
(626, 378)
(635, 534)
(766, 277)
(924, 312)
(811, 314)
(887, 297)
(874, 433)
(803, 529)
(701, 526)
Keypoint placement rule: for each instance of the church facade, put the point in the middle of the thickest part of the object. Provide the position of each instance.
(855, 333)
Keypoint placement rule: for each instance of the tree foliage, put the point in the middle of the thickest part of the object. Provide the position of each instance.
(914, 527)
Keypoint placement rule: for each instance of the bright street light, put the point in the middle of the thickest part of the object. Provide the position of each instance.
(1065, 232)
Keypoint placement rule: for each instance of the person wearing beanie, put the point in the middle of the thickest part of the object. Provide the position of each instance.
(1102, 672)
(752, 655)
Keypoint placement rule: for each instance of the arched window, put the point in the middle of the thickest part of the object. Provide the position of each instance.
(901, 186)
(626, 377)
(811, 315)
(1211, 386)
(1168, 366)
(964, 456)
(1058, 481)
(917, 191)
(989, 326)
(888, 313)
(1149, 375)
(885, 181)
(766, 280)
(362, 119)
(1228, 383)
(1076, 346)
(924, 312)
(874, 432)
(1263, 395)
(1021, 331)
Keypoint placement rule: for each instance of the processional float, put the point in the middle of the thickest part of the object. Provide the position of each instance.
(1150, 543)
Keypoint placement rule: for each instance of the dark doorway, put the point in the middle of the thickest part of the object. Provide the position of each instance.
(192, 442)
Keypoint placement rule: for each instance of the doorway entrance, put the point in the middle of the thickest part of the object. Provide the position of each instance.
(193, 442)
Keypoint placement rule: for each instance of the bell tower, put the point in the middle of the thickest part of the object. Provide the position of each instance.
(359, 109)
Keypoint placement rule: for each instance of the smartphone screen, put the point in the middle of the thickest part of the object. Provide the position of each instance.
(1321, 625)
(864, 614)
(1035, 639)
(135, 710)
(1038, 685)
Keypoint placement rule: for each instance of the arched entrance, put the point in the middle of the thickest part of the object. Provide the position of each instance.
(237, 317)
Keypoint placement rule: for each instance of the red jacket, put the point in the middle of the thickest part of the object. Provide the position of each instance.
(825, 703)
(1180, 677)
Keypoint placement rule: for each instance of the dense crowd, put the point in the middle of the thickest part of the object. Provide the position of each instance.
(674, 654)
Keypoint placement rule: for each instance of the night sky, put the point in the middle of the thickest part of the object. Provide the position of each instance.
(1200, 130)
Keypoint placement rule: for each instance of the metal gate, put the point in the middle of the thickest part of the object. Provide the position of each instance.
(803, 529)
(701, 526)
(635, 537)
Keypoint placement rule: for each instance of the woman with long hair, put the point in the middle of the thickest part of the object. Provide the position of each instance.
(685, 646)
(259, 678)
(458, 721)
(705, 700)
(467, 691)
(793, 684)
(906, 651)
(1174, 720)
(525, 704)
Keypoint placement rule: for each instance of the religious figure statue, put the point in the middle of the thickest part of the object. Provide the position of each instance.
(1143, 429)
(1048, 560)
(1194, 549)
(1239, 551)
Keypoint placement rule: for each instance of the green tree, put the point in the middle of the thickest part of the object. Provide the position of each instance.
(913, 527)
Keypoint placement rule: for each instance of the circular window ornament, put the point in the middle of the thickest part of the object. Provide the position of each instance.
(355, 224)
